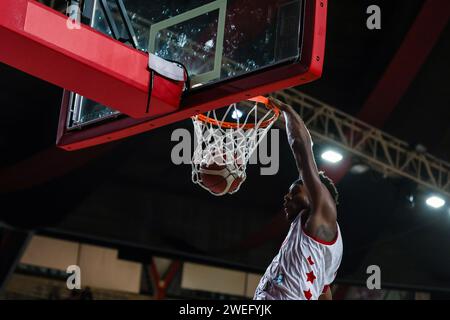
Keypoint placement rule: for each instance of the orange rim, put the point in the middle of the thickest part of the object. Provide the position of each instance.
(233, 125)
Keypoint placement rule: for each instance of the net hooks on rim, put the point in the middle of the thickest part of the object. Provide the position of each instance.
(231, 144)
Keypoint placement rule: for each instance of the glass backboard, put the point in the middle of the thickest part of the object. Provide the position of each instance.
(227, 46)
(215, 40)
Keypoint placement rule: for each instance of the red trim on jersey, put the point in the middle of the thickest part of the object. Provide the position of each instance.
(325, 288)
(326, 243)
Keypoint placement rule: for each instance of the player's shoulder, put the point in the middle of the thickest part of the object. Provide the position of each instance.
(320, 230)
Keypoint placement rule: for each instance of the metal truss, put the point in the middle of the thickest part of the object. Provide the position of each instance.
(383, 152)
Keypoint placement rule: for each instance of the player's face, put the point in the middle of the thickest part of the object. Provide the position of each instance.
(295, 201)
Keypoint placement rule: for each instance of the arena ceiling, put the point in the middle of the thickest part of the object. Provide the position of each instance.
(129, 194)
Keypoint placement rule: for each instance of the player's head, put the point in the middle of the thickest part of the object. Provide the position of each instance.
(297, 199)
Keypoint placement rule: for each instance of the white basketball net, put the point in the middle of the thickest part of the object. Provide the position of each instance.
(228, 148)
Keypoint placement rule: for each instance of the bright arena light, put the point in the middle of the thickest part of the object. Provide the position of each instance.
(435, 202)
(332, 156)
(237, 114)
(359, 168)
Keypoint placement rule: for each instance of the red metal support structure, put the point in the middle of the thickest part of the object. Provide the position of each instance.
(36, 40)
(407, 62)
(402, 70)
(161, 284)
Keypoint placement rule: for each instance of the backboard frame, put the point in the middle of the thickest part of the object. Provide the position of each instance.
(54, 49)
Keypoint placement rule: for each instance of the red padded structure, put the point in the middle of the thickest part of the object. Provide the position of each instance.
(36, 40)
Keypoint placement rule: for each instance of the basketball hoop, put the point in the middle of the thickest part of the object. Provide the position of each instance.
(224, 147)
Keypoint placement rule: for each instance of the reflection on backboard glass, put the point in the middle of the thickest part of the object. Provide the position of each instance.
(173, 41)
(215, 40)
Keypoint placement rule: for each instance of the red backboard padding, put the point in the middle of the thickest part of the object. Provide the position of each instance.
(36, 40)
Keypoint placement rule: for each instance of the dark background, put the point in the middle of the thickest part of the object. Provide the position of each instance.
(128, 194)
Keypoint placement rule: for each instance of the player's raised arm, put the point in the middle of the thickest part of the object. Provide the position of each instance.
(300, 142)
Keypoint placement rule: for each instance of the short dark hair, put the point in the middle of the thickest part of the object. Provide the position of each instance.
(328, 183)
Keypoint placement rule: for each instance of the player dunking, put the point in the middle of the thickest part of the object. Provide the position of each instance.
(310, 256)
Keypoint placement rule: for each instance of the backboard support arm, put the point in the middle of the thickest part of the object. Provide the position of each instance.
(78, 65)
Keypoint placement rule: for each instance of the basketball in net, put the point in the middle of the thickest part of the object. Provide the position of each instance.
(226, 139)
(220, 179)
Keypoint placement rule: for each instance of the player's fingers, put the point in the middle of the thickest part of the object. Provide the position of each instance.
(277, 103)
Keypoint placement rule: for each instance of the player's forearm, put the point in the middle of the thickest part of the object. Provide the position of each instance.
(298, 135)
(299, 140)
(301, 145)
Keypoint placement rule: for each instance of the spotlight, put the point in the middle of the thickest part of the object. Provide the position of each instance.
(359, 168)
(332, 156)
(411, 201)
(420, 148)
(435, 202)
(237, 114)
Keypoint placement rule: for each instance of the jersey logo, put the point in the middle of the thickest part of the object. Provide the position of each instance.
(279, 279)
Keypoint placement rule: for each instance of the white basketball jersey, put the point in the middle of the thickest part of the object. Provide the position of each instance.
(303, 268)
